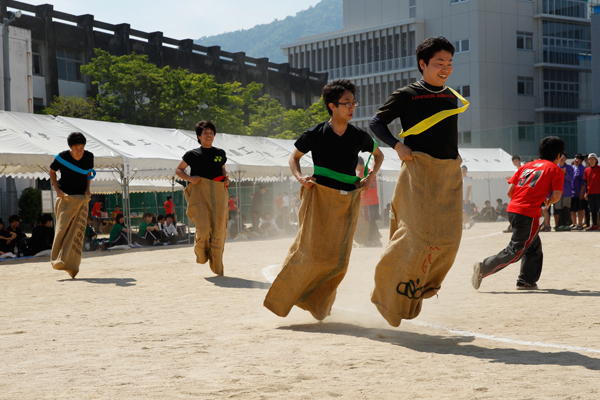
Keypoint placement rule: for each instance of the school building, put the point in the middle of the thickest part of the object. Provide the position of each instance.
(525, 65)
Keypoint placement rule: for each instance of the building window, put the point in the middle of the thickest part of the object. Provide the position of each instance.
(525, 86)
(461, 46)
(567, 89)
(526, 130)
(525, 40)
(566, 43)
(566, 8)
(465, 91)
(464, 137)
(412, 8)
(68, 64)
(457, 1)
(36, 58)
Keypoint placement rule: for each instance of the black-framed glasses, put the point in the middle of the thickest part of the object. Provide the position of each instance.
(349, 105)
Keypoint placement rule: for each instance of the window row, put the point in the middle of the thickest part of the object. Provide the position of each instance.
(68, 63)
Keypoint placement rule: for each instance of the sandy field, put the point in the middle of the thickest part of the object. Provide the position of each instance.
(151, 324)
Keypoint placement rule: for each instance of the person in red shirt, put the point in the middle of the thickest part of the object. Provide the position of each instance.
(591, 176)
(370, 204)
(97, 210)
(528, 190)
(170, 207)
(232, 207)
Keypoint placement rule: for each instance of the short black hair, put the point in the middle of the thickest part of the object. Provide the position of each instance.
(45, 218)
(464, 167)
(516, 158)
(334, 90)
(205, 124)
(76, 138)
(428, 47)
(564, 154)
(169, 197)
(14, 218)
(498, 200)
(550, 147)
(160, 217)
(169, 216)
(580, 156)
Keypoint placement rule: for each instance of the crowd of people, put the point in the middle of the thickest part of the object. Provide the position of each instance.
(576, 210)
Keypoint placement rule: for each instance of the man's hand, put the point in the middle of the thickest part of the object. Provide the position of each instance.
(366, 182)
(306, 181)
(585, 197)
(465, 201)
(194, 180)
(404, 152)
(59, 193)
(226, 181)
(88, 193)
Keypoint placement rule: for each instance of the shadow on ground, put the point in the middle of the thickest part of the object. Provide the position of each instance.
(124, 282)
(453, 345)
(557, 292)
(238, 283)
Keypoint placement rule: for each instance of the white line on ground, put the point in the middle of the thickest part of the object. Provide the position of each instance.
(477, 237)
(489, 337)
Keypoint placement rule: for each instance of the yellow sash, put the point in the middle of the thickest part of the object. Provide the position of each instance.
(435, 118)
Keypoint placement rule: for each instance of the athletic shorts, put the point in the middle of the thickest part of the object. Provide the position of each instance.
(562, 203)
(576, 204)
(466, 207)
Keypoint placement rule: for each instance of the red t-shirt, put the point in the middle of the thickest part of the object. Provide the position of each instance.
(96, 210)
(369, 196)
(231, 204)
(591, 176)
(278, 202)
(534, 181)
(169, 207)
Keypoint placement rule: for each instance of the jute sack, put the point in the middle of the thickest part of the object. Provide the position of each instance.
(71, 218)
(318, 259)
(425, 233)
(361, 235)
(207, 207)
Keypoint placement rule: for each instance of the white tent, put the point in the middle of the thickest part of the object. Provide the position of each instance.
(29, 143)
(110, 182)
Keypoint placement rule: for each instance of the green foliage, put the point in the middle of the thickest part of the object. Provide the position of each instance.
(30, 205)
(264, 40)
(134, 91)
(74, 106)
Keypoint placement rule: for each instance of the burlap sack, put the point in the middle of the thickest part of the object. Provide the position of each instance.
(425, 233)
(71, 219)
(208, 208)
(361, 235)
(318, 259)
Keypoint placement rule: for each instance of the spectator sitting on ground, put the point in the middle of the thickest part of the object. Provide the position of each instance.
(148, 233)
(42, 235)
(160, 222)
(473, 210)
(268, 225)
(21, 239)
(90, 238)
(6, 237)
(170, 230)
(118, 232)
(488, 214)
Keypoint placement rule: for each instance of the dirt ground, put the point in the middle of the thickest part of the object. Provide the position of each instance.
(151, 324)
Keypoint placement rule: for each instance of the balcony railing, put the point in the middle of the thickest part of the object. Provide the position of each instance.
(564, 56)
(566, 8)
(376, 67)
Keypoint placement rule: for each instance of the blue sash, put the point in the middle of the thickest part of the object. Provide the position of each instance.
(76, 168)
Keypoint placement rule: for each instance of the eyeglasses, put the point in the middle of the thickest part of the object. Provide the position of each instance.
(349, 105)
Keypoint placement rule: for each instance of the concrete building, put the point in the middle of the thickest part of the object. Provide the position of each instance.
(518, 62)
(21, 79)
(61, 43)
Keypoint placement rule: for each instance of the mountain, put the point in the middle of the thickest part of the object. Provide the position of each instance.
(264, 40)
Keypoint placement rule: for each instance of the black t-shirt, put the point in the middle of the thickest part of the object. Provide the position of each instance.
(337, 153)
(206, 162)
(72, 182)
(414, 103)
(41, 238)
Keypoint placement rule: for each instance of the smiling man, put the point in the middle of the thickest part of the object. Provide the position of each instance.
(426, 214)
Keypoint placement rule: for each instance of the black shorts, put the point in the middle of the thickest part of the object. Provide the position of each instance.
(577, 204)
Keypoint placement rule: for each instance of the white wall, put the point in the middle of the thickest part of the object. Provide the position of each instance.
(71, 88)
(20, 70)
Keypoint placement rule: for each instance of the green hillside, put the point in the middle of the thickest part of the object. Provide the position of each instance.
(264, 40)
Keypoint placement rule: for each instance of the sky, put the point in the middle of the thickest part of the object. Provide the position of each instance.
(183, 19)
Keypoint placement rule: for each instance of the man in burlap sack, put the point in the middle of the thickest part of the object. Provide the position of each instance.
(207, 196)
(318, 259)
(426, 212)
(72, 206)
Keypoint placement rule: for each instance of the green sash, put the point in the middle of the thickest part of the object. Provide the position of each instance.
(344, 178)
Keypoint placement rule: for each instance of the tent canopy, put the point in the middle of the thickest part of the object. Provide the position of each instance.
(487, 163)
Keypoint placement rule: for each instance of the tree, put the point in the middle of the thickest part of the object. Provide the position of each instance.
(30, 205)
(74, 106)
